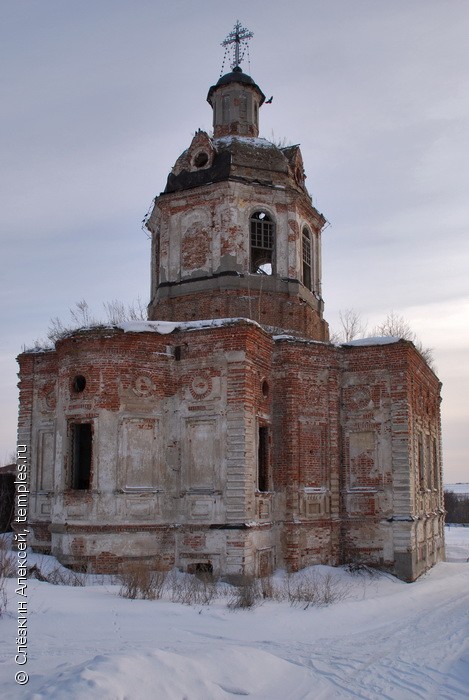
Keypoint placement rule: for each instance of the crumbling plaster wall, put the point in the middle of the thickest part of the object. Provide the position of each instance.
(388, 514)
(206, 230)
(37, 432)
(306, 419)
(426, 490)
(201, 258)
(175, 451)
(375, 437)
(174, 445)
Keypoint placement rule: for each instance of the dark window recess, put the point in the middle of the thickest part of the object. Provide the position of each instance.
(81, 444)
(435, 464)
(79, 383)
(429, 461)
(262, 243)
(421, 461)
(200, 569)
(177, 352)
(263, 459)
(307, 258)
(201, 159)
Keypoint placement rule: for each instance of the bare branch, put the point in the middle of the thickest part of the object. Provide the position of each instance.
(395, 325)
(82, 317)
(352, 326)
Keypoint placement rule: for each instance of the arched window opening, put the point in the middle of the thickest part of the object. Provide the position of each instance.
(262, 243)
(307, 259)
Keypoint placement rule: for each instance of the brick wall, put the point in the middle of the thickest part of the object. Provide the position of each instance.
(176, 440)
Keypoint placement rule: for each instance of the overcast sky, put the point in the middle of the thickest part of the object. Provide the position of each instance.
(99, 97)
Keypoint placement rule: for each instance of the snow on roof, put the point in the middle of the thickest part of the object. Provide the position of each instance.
(251, 140)
(378, 340)
(298, 339)
(162, 327)
(165, 327)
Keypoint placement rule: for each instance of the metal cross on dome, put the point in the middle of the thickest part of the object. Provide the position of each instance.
(238, 35)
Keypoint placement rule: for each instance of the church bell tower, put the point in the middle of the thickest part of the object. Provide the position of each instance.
(235, 233)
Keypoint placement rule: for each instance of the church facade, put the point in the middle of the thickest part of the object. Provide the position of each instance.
(226, 433)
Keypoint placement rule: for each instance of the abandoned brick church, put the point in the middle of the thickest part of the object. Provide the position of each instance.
(246, 441)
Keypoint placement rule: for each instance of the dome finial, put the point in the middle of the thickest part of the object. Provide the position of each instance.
(239, 35)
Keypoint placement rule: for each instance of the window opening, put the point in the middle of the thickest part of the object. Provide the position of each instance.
(263, 459)
(262, 243)
(435, 464)
(429, 461)
(421, 461)
(201, 159)
(79, 384)
(81, 443)
(307, 258)
(202, 569)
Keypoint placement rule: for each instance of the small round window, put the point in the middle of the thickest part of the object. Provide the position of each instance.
(79, 384)
(200, 159)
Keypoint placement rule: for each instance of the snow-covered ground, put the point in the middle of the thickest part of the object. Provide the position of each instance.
(385, 640)
(458, 487)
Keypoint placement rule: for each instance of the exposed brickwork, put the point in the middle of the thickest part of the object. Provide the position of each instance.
(201, 259)
(272, 309)
(338, 421)
(246, 445)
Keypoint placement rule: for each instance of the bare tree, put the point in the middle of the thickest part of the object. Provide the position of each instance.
(457, 507)
(137, 311)
(81, 316)
(353, 326)
(395, 325)
(115, 311)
